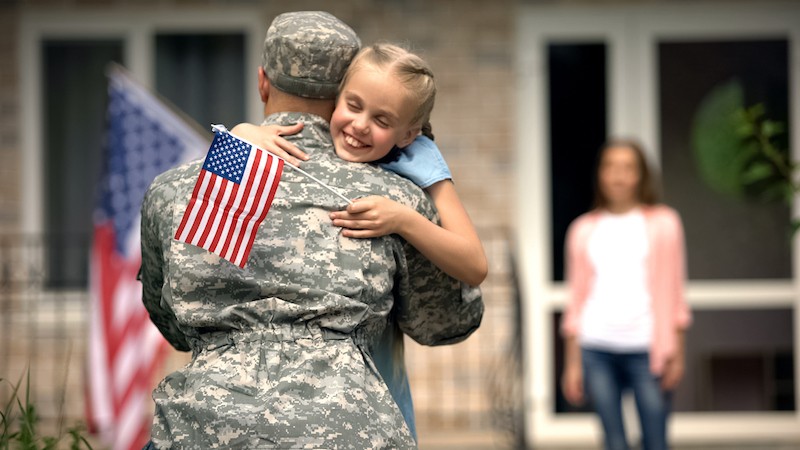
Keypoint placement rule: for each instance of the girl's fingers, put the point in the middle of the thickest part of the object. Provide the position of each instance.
(353, 224)
(282, 154)
(288, 130)
(359, 234)
(290, 148)
(272, 141)
(359, 206)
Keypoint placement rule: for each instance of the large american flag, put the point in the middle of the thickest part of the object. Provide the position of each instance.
(231, 198)
(144, 138)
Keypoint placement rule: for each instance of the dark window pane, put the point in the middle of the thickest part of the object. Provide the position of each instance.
(736, 360)
(203, 75)
(726, 238)
(739, 361)
(577, 112)
(75, 94)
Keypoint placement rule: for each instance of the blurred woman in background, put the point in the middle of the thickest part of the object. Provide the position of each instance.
(626, 315)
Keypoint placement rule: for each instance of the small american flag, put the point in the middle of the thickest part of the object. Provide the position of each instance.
(231, 198)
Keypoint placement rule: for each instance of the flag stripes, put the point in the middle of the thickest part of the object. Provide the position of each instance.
(144, 139)
(232, 196)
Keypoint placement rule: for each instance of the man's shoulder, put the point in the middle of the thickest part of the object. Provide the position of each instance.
(401, 188)
(177, 177)
(179, 173)
(371, 179)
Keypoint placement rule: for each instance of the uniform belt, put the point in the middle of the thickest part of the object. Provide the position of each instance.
(287, 333)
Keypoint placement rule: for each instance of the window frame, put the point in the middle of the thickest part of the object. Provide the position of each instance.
(632, 33)
(137, 29)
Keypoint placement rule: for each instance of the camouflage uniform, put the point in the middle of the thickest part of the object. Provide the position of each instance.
(282, 349)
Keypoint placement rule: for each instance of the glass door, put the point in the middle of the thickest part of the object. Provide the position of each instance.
(645, 72)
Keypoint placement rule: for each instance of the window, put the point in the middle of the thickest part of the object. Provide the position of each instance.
(577, 110)
(75, 95)
(202, 74)
(739, 361)
(721, 229)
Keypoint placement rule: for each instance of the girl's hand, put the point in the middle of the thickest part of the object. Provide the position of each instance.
(676, 365)
(372, 216)
(572, 384)
(673, 373)
(268, 137)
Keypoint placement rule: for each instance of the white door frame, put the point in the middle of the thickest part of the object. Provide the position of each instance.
(631, 33)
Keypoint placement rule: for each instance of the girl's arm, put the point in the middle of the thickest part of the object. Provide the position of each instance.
(454, 246)
(572, 376)
(268, 137)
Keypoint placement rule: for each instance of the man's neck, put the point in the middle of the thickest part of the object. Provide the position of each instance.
(288, 103)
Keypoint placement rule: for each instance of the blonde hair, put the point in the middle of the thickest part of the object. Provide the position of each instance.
(411, 70)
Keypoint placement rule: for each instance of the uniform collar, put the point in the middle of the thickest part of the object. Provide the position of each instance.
(289, 118)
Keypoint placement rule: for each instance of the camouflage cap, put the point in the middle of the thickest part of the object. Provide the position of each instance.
(307, 53)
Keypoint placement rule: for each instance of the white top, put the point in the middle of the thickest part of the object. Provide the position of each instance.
(617, 316)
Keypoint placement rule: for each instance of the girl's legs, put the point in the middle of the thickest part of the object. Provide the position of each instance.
(652, 403)
(603, 379)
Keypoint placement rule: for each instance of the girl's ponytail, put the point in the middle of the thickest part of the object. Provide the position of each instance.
(427, 130)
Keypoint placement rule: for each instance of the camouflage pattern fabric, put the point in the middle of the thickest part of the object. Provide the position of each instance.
(307, 53)
(282, 350)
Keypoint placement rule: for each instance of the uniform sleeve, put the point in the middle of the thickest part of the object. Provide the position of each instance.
(432, 307)
(151, 274)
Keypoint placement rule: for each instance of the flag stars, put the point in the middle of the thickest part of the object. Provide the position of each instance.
(139, 148)
(227, 157)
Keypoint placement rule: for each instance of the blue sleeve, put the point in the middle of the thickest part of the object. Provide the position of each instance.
(420, 162)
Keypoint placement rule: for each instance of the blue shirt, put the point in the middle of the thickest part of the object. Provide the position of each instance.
(395, 378)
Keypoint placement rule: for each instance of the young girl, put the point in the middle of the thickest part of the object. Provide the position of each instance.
(626, 316)
(385, 101)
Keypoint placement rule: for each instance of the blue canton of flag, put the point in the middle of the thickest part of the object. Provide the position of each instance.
(227, 157)
(138, 149)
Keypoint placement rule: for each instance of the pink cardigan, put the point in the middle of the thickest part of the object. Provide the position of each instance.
(666, 275)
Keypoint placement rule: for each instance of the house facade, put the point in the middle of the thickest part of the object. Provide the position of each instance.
(527, 92)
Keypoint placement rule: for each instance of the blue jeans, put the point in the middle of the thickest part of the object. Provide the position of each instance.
(606, 376)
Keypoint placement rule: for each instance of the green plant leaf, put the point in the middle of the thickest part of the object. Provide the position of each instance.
(50, 443)
(21, 430)
(719, 151)
(745, 130)
(756, 112)
(770, 128)
(757, 171)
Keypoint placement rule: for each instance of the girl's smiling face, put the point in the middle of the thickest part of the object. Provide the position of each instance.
(373, 114)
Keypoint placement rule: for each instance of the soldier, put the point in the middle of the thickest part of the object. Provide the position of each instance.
(282, 351)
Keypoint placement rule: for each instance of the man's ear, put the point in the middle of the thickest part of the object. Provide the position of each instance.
(409, 137)
(263, 85)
